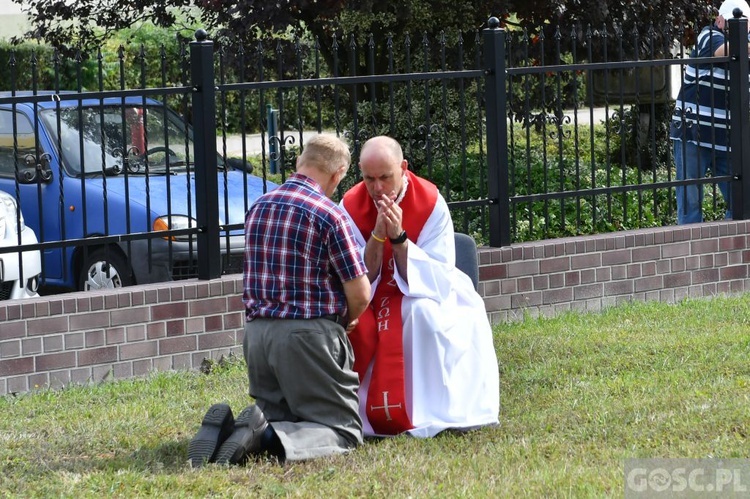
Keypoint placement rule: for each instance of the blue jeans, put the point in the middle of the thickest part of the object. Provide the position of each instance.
(693, 161)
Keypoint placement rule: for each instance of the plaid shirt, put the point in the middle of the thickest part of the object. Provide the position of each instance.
(299, 248)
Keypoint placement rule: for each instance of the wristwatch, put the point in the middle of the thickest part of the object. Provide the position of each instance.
(401, 239)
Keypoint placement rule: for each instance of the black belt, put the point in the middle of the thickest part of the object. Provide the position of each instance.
(338, 319)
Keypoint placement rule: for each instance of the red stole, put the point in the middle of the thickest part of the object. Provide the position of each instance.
(379, 334)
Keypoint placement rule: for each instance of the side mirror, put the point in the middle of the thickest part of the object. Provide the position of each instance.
(240, 164)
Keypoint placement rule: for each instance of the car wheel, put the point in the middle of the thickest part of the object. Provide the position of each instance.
(104, 269)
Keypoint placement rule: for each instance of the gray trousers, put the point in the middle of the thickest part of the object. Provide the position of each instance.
(301, 376)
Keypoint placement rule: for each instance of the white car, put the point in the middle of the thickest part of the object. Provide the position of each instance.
(19, 272)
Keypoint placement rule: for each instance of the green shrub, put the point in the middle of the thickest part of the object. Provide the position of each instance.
(29, 66)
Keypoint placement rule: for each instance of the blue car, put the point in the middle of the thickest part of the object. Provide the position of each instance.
(114, 167)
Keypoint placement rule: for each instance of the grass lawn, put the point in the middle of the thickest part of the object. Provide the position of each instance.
(579, 395)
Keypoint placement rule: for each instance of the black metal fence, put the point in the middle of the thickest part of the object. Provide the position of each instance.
(526, 137)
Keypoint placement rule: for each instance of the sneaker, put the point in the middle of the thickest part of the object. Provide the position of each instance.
(217, 426)
(246, 439)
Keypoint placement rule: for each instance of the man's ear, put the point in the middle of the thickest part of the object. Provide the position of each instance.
(343, 170)
(338, 176)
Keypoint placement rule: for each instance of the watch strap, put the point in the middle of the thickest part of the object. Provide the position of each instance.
(400, 239)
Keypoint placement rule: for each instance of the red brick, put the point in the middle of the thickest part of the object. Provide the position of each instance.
(551, 265)
(541, 282)
(523, 268)
(523, 300)
(617, 257)
(89, 321)
(156, 330)
(207, 306)
(677, 279)
(237, 319)
(648, 283)
(557, 296)
(614, 288)
(169, 311)
(104, 355)
(47, 325)
(115, 335)
(234, 302)
(94, 338)
(208, 341)
(734, 272)
(706, 275)
(586, 261)
(556, 281)
(14, 367)
(176, 328)
(13, 330)
(130, 315)
(169, 346)
(732, 243)
(572, 278)
(704, 246)
(214, 323)
(139, 350)
(496, 271)
(649, 253)
(588, 291)
(55, 361)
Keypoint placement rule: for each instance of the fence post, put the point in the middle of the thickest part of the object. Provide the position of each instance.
(206, 168)
(497, 133)
(739, 127)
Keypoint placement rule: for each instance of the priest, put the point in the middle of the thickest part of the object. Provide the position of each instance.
(423, 349)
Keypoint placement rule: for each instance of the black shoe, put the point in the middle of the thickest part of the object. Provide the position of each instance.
(217, 426)
(246, 439)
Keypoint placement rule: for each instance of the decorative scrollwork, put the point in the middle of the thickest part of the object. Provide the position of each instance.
(37, 168)
(357, 139)
(619, 122)
(433, 135)
(558, 121)
(26, 176)
(278, 152)
(132, 159)
(686, 116)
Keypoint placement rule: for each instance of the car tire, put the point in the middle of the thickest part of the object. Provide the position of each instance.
(104, 268)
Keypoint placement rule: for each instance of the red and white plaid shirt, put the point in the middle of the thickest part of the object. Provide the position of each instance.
(299, 248)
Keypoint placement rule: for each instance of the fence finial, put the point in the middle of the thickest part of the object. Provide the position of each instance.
(201, 35)
(493, 22)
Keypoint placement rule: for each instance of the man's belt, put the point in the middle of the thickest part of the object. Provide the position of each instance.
(338, 319)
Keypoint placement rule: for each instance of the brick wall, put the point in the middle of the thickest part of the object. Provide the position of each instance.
(593, 272)
(86, 337)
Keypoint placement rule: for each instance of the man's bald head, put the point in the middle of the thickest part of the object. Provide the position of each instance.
(384, 147)
(382, 164)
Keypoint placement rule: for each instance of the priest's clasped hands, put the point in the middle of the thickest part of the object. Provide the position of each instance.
(389, 216)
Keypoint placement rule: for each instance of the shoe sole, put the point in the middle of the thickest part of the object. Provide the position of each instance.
(217, 426)
(246, 438)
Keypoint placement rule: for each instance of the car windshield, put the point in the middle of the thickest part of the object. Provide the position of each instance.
(109, 140)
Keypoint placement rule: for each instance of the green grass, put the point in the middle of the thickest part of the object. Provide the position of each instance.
(579, 394)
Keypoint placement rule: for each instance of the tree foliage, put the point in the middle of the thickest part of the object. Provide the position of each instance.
(86, 23)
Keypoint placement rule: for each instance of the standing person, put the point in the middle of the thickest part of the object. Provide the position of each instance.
(423, 348)
(701, 118)
(305, 285)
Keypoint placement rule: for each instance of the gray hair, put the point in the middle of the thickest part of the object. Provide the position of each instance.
(326, 152)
